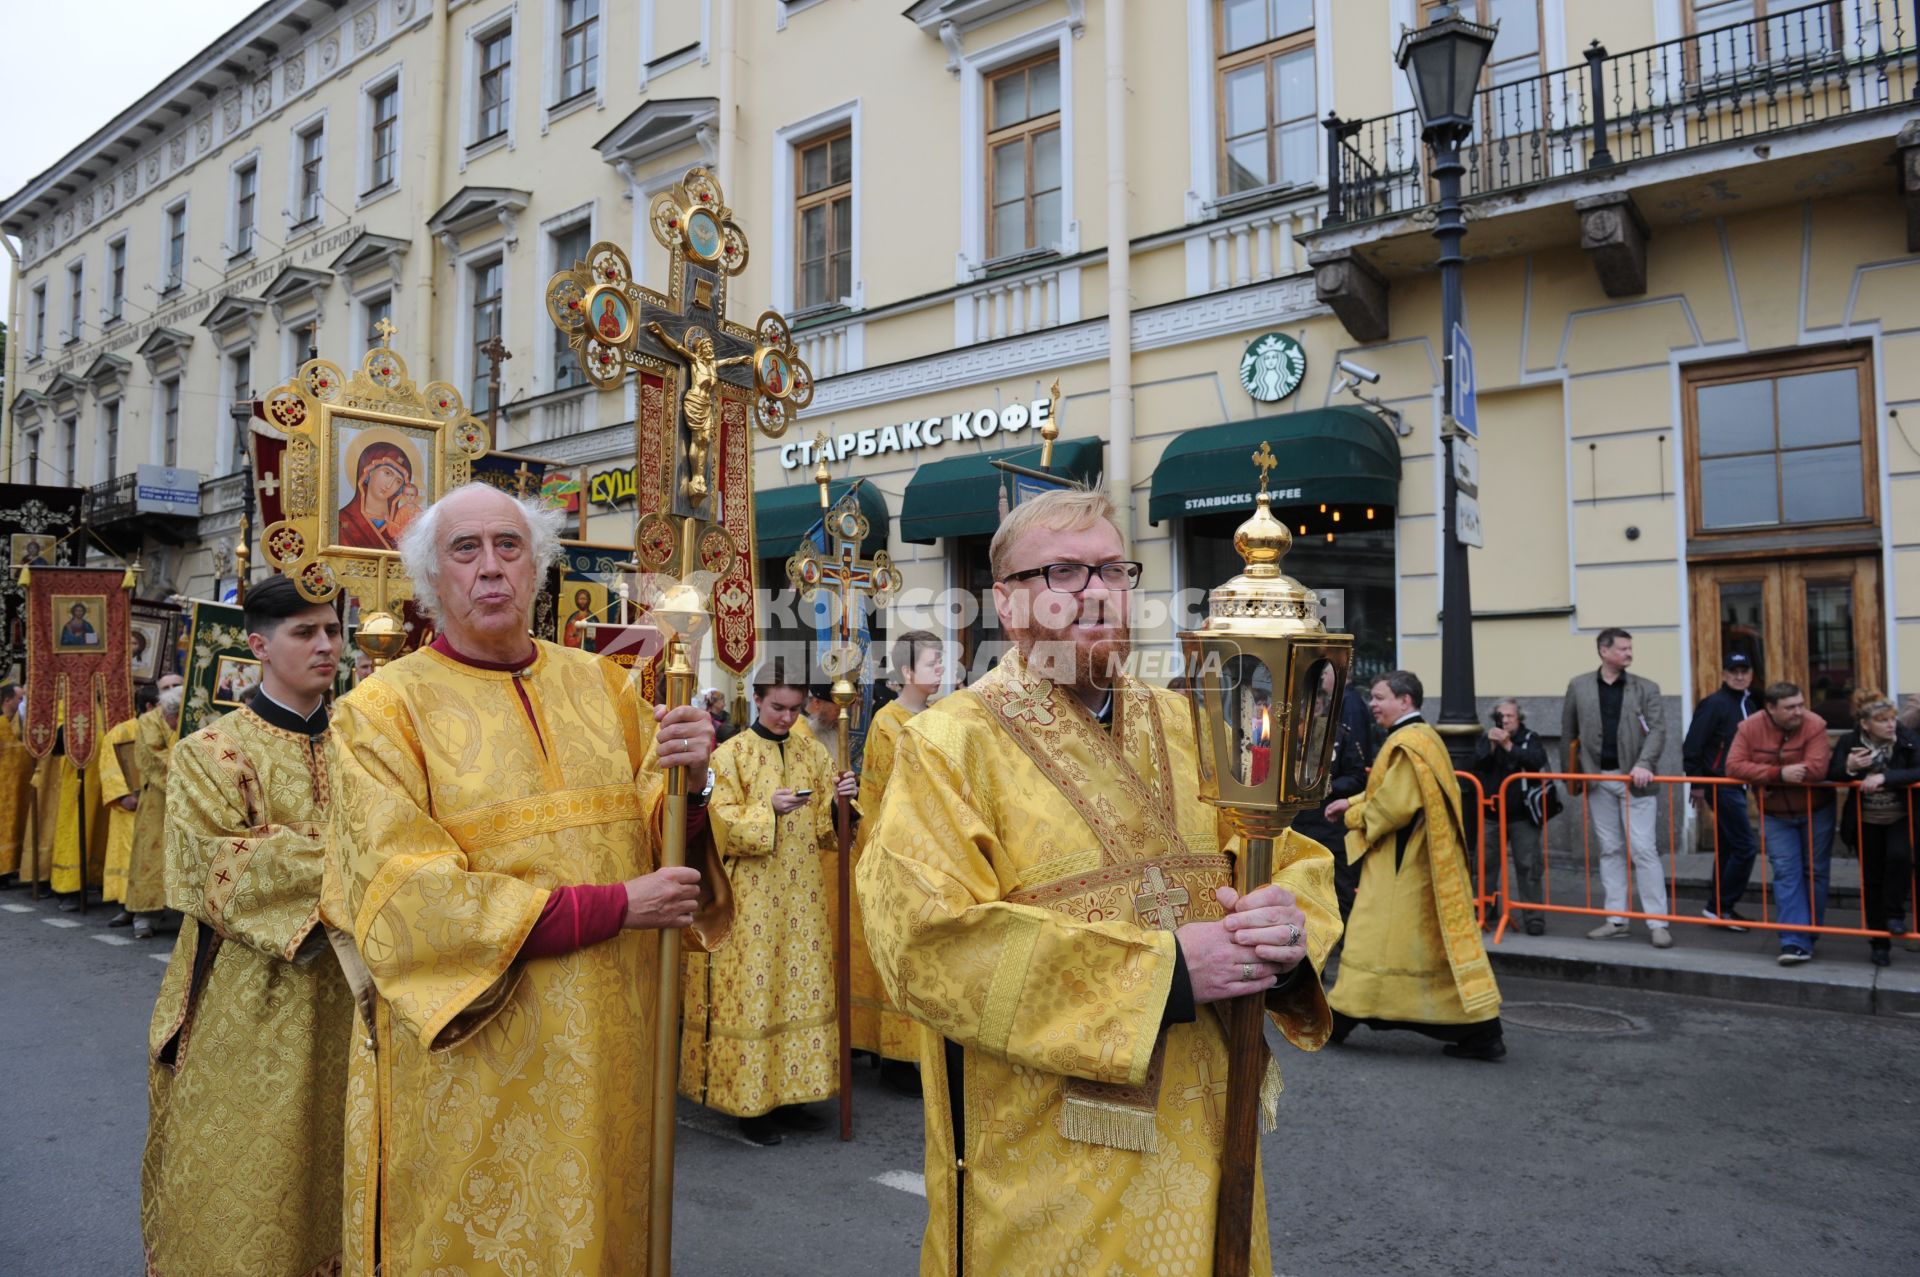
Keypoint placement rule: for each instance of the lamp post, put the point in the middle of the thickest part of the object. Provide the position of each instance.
(1443, 61)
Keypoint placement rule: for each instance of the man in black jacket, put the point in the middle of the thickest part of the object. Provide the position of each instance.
(1508, 748)
(1715, 719)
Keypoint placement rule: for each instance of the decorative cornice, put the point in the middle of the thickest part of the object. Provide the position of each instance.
(163, 342)
(1177, 323)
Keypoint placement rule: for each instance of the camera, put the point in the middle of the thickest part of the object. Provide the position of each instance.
(1359, 373)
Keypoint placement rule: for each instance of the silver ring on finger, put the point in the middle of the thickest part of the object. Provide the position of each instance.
(1246, 972)
(1293, 930)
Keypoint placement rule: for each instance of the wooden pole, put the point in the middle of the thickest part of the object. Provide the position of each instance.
(1247, 1060)
(843, 950)
(666, 1028)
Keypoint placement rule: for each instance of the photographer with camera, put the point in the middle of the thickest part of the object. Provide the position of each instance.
(1509, 748)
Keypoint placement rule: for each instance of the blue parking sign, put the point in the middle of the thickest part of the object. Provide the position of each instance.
(1466, 404)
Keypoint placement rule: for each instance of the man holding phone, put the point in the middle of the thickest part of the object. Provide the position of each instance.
(762, 1039)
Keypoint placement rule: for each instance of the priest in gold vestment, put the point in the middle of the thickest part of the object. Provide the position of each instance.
(1046, 893)
(119, 798)
(919, 663)
(16, 789)
(146, 863)
(247, 1063)
(1413, 958)
(760, 1037)
(492, 880)
(77, 788)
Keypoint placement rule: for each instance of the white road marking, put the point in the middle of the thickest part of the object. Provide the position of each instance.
(161, 957)
(60, 922)
(103, 939)
(17, 908)
(906, 1181)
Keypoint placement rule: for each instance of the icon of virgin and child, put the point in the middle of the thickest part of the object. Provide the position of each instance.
(384, 477)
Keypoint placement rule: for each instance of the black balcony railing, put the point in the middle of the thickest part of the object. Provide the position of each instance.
(112, 501)
(1820, 62)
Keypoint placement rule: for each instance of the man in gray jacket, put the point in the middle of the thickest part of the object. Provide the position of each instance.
(1613, 723)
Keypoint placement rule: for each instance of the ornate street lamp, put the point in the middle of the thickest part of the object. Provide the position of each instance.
(1264, 682)
(1443, 61)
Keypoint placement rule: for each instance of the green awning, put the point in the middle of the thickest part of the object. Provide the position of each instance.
(960, 496)
(781, 516)
(1333, 455)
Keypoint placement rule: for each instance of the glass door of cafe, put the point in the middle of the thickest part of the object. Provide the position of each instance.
(1813, 622)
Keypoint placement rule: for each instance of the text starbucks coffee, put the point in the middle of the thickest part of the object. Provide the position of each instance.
(929, 432)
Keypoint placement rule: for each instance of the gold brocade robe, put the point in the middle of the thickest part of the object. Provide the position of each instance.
(759, 1016)
(1413, 950)
(147, 857)
(248, 1048)
(77, 787)
(1018, 894)
(16, 797)
(43, 807)
(878, 1025)
(501, 1124)
(114, 786)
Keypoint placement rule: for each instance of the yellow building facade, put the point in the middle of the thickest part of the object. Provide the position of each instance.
(1690, 288)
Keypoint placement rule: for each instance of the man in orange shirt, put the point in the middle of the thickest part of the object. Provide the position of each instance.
(1780, 750)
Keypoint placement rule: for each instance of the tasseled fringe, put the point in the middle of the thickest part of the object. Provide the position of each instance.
(1087, 1121)
(1270, 1098)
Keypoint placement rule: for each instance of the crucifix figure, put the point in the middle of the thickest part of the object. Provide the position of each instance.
(703, 379)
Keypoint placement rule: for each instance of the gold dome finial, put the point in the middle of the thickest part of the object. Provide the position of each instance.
(1263, 540)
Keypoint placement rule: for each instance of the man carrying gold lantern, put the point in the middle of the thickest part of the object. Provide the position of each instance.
(1047, 893)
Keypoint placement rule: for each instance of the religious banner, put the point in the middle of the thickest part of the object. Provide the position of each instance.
(512, 473)
(151, 640)
(35, 523)
(582, 589)
(77, 649)
(269, 465)
(636, 648)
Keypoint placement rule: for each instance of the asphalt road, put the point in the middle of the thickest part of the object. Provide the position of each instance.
(1635, 1133)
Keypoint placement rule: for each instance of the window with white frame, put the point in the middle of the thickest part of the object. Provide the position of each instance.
(823, 220)
(570, 245)
(373, 311)
(76, 291)
(1266, 101)
(579, 49)
(383, 138)
(1023, 157)
(174, 251)
(33, 456)
(117, 280)
(109, 464)
(37, 331)
(488, 280)
(495, 97)
(170, 422)
(69, 448)
(246, 199)
(310, 156)
(239, 389)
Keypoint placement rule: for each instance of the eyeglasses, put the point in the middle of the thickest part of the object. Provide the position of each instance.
(1071, 578)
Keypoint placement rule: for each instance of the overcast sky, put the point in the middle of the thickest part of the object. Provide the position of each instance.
(67, 68)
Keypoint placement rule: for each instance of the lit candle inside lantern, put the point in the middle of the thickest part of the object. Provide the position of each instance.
(1262, 754)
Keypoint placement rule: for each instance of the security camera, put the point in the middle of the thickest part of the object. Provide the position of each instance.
(1352, 369)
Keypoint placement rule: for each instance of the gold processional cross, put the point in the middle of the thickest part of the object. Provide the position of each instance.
(705, 382)
(848, 580)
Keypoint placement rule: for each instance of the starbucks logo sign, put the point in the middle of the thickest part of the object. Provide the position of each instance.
(1273, 367)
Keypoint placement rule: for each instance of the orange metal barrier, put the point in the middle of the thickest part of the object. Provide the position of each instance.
(1506, 904)
(1475, 805)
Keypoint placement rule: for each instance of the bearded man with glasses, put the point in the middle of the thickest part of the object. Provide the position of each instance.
(1046, 894)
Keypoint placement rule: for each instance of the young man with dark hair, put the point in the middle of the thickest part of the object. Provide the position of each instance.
(919, 666)
(1709, 740)
(1615, 725)
(1413, 958)
(248, 1048)
(1782, 750)
(761, 1038)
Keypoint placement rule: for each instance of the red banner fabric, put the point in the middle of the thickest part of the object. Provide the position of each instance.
(78, 671)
